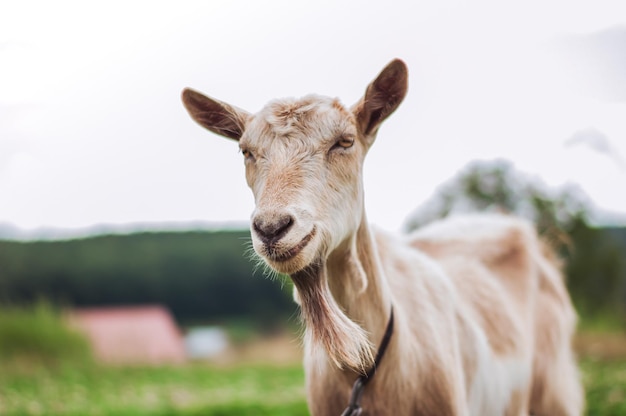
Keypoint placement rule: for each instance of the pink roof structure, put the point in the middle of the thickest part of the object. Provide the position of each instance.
(131, 335)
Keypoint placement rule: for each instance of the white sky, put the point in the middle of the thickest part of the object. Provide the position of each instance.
(92, 129)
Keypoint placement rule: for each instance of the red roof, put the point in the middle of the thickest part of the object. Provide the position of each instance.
(132, 335)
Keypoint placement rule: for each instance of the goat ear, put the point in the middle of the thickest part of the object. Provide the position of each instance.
(214, 115)
(382, 97)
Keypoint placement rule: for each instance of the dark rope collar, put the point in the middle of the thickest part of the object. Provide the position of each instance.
(354, 407)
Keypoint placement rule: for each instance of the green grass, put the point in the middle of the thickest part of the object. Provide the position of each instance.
(45, 370)
(605, 386)
(207, 390)
(186, 390)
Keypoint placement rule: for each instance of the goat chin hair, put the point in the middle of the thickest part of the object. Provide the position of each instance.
(327, 327)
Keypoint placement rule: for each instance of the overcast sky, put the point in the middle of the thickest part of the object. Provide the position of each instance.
(92, 129)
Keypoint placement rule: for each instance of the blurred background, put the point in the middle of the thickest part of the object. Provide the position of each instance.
(127, 281)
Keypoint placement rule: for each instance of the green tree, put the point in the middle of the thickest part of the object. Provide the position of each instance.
(596, 265)
(496, 186)
(200, 276)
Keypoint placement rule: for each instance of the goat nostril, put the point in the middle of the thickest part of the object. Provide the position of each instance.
(271, 231)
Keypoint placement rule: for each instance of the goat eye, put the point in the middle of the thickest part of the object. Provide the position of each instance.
(344, 142)
(247, 154)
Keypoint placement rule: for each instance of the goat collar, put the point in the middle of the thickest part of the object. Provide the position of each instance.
(354, 407)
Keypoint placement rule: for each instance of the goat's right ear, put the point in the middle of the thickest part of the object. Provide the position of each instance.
(214, 115)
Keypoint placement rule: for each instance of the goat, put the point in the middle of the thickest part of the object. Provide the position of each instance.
(482, 320)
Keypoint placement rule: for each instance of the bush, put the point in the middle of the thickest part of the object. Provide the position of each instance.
(39, 334)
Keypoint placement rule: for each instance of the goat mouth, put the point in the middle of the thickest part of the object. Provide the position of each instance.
(282, 256)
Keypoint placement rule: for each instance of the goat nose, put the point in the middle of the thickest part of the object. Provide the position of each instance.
(271, 230)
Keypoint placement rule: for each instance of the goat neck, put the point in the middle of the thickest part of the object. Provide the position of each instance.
(358, 284)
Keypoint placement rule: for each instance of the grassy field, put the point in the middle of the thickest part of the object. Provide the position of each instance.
(188, 390)
(605, 386)
(209, 390)
(47, 372)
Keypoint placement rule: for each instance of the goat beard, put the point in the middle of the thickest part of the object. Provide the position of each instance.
(326, 326)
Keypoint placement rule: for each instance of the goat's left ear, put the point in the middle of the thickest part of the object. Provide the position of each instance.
(381, 98)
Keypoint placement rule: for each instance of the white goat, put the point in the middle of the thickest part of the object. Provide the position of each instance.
(482, 320)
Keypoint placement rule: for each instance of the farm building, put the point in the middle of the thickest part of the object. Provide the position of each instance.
(131, 335)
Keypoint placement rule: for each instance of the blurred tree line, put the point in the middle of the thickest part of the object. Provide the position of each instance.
(209, 276)
(595, 256)
(200, 276)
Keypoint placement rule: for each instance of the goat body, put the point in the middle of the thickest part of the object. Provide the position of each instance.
(483, 322)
